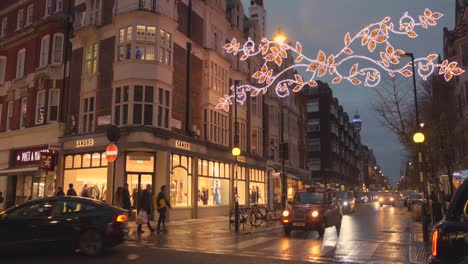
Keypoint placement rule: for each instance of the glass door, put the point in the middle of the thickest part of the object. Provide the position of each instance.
(136, 184)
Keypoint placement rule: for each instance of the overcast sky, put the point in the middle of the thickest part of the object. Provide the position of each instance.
(322, 24)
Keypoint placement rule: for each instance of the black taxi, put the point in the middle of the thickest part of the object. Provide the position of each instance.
(313, 209)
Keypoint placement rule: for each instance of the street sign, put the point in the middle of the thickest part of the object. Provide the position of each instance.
(112, 152)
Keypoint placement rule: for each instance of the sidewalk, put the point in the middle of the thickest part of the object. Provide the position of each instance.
(209, 227)
(419, 252)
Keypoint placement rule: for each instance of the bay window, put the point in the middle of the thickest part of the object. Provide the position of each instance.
(24, 109)
(40, 107)
(139, 105)
(57, 51)
(216, 127)
(44, 56)
(9, 116)
(165, 47)
(20, 63)
(54, 95)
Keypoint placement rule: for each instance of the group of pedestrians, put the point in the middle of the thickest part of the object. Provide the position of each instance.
(146, 205)
(148, 202)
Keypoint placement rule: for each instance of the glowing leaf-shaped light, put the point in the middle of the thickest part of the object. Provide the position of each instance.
(297, 88)
(432, 57)
(347, 39)
(321, 56)
(372, 45)
(356, 81)
(353, 69)
(298, 78)
(322, 71)
(299, 58)
(406, 73)
(336, 80)
(298, 47)
(313, 66)
(313, 83)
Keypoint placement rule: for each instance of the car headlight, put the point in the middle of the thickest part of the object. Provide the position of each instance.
(345, 203)
(380, 199)
(285, 213)
(315, 213)
(391, 199)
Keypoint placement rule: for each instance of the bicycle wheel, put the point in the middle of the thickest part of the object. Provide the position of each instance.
(269, 218)
(256, 218)
(232, 218)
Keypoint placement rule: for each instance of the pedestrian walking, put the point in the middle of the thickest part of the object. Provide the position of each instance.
(118, 197)
(60, 192)
(145, 210)
(71, 191)
(162, 204)
(126, 200)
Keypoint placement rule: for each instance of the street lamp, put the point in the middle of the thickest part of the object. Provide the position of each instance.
(279, 37)
(418, 138)
(236, 151)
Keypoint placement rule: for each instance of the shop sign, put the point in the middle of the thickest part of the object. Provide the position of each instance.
(30, 156)
(112, 152)
(84, 143)
(47, 162)
(241, 159)
(183, 145)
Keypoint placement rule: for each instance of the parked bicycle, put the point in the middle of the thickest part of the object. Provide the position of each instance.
(255, 215)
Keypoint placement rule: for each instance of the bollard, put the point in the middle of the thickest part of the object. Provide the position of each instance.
(425, 220)
(436, 212)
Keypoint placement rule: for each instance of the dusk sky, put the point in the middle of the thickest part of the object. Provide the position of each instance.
(322, 24)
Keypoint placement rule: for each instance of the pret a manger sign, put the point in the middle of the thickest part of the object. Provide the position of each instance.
(30, 156)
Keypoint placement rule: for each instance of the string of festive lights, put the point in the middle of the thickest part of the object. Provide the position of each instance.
(373, 36)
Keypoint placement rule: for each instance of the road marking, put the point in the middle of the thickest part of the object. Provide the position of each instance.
(364, 250)
(251, 242)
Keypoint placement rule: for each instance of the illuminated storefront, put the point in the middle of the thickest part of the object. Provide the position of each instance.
(139, 172)
(181, 181)
(213, 183)
(88, 174)
(240, 184)
(257, 191)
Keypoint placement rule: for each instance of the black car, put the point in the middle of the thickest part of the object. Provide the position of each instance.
(347, 201)
(450, 235)
(72, 222)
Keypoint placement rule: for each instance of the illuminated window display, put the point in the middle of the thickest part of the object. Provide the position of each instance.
(239, 183)
(292, 188)
(181, 181)
(257, 193)
(88, 173)
(139, 172)
(213, 183)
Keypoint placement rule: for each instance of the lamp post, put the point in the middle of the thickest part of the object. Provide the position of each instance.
(418, 138)
(280, 38)
(236, 151)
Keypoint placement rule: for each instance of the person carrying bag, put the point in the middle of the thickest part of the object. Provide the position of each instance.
(162, 204)
(145, 209)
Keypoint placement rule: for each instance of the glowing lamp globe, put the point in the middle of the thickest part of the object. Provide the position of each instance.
(236, 151)
(280, 38)
(418, 137)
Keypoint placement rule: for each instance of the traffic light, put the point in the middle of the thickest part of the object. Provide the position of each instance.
(284, 151)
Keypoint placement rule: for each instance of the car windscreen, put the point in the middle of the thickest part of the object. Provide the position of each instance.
(309, 198)
(342, 195)
(415, 196)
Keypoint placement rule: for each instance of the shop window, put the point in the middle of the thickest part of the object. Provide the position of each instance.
(257, 194)
(181, 181)
(77, 161)
(104, 160)
(240, 184)
(68, 162)
(96, 160)
(213, 183)
(86, 160)
(140, 162)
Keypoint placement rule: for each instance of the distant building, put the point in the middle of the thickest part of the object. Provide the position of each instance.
(334, 146)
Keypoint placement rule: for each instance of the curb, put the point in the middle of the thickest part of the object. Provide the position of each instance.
(419, 252)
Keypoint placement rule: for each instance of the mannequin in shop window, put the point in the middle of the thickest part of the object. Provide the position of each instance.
(180, 192)
(85, 191)
(173, 191)
(217, 194)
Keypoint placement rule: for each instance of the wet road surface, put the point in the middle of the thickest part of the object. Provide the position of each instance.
(370, 235)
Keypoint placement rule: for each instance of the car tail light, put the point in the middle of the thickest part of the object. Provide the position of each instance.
(121, 218)
(435, 237)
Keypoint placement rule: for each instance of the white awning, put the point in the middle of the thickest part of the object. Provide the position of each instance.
(13, 171)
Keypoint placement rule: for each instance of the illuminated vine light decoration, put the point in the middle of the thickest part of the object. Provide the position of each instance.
(371, 36)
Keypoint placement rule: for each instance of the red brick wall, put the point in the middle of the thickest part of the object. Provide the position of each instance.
(197, 23)
(75, 88)
(106, 75)
(196, 84)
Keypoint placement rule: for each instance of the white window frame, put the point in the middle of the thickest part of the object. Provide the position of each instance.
(59, 5)
(29, 16)
(24, 111)
(121, 105)
(144, 103)
(91, 58)
(165, 47)
(45, 47)
(9, 120)
(3, 61)
(40, 105)
(88, 114)
(20, 63)
(57, 51)
(4, 27)
(20, 19)
(50, 105)
(48, 8)
(164, 106)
